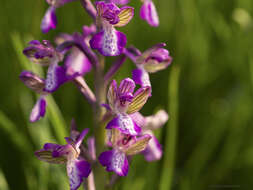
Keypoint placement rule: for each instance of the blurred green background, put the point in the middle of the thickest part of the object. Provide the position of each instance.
(207, 91)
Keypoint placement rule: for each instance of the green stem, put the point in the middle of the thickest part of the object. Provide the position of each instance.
(99, 128)
(171, 132)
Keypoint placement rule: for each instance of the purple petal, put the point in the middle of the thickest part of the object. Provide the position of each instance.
(51, 146)
(148, 12)
(138, 118)
(126, 86)
(120, 2)
(141, 77)
(154, 149)
(32, 81)
(55, 77)
(81, 137)
(49, 21)
(77, 64)
(77, 170)
(114, 161)
(88, 30)
(38, 110)
(109, 42)
(125, 124)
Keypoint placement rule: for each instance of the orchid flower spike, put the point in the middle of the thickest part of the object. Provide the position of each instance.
(109, 41)
(152, 60)
(153, 150)
(122, 146)
(123, 102)
(148, 12)
(45, 55)
(49, 20)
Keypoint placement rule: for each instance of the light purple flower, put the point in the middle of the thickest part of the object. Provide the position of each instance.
(44, 54)
(109, 41)
(152, 60)
(49, 20)
(122, 102)
(69, 154)
(153, 150)
(122, 146)
(148, 12)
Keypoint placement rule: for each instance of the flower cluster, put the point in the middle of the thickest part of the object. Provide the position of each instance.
(127, 131)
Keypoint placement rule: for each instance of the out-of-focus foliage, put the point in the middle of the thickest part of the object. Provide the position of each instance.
(208, 92)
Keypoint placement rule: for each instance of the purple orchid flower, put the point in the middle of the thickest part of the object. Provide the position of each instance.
(123, 102)
(153, 150)
(152, 60)
(122, 146)
(49, 20)
(148, 12)
(69, 154)
(109, 41)
(45, 54)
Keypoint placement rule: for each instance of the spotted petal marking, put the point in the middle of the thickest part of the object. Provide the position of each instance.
(140, 98)
(125, 15)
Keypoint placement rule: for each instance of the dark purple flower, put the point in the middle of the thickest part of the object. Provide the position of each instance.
(152, 60)
(123, 145)
(75, 65)
(123, 102)
(109, 41)
(69, 154)
(148, 12)
(49, 20)
(153, 150)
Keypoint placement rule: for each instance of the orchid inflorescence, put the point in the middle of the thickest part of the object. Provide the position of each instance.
(128, 132)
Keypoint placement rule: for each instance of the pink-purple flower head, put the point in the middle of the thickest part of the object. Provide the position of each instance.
(49, 20)
(123, 101)
(152, 60)
(69, 154)
(148, 12)
(45, 54)
(153, 150)
(109, 41)
(123, 145)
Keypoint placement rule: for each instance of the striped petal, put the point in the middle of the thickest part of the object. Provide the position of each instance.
(125, 15)
(140, 98)
(32, 81)
(139, 145)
